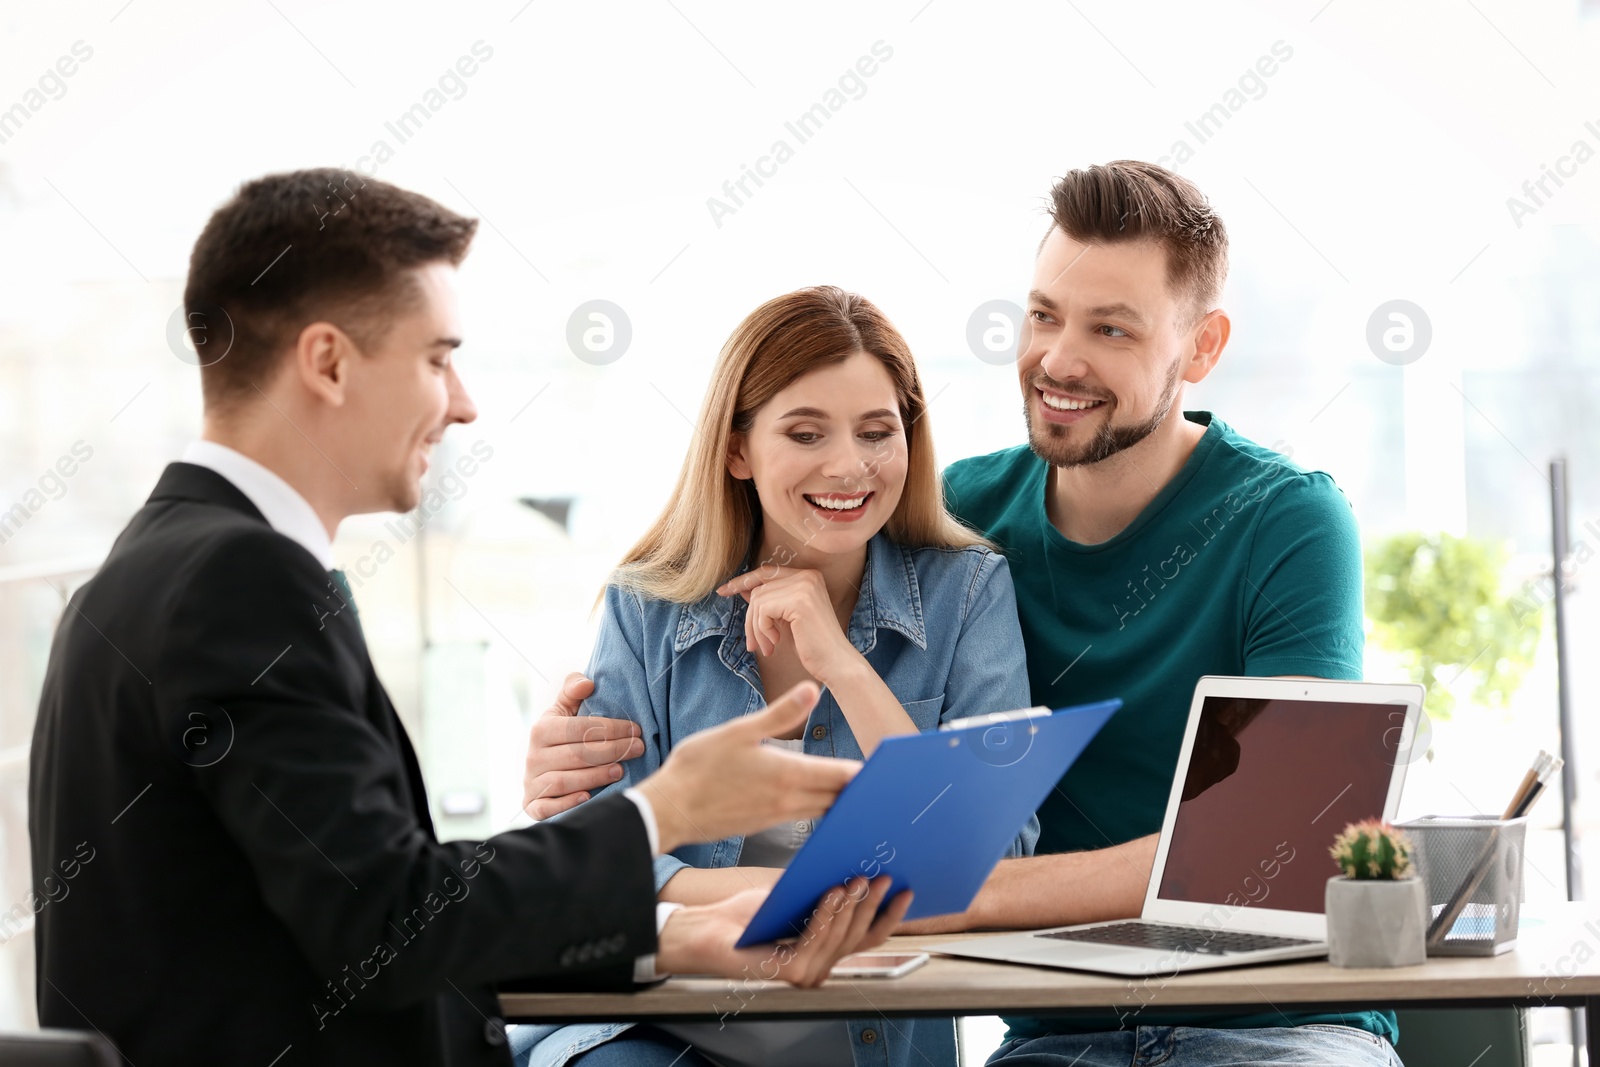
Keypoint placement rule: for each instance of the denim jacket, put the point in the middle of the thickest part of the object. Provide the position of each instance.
(938, 625)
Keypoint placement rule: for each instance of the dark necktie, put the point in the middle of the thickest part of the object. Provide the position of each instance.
(336, 576)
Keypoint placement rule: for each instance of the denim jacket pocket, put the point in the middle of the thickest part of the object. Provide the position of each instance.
(925, 713)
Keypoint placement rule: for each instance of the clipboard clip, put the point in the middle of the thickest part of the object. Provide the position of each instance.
(994, 718)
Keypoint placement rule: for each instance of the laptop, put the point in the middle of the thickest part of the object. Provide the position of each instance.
(1270, 770)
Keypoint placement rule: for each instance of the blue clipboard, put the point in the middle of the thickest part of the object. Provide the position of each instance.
(935, 811)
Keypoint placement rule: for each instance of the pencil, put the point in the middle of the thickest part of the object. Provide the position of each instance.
(1544, 765)
(1552, 764)
(1528, 780)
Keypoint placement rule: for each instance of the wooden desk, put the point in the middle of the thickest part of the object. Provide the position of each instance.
(1556, 963)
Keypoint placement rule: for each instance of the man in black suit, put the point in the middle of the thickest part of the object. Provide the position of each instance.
(219, 773)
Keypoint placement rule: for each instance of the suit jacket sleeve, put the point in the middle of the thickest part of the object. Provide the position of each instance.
(313, 788)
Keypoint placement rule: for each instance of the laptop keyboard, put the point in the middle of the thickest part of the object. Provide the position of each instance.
(1176, 938)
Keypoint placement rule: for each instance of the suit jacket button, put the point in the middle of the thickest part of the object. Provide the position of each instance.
(494, 1031)
(566, 957)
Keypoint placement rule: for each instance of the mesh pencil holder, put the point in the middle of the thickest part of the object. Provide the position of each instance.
(1472, 866)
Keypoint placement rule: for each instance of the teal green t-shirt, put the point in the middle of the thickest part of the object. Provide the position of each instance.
(1243, 564)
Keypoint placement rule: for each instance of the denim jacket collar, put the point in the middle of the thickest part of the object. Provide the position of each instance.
(889, 598)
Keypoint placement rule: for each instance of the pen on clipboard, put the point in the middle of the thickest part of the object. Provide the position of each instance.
(1528, 791)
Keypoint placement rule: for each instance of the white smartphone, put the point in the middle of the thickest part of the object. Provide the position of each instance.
(879, 964)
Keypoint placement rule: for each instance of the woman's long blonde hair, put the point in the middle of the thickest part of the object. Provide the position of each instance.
(706, 530)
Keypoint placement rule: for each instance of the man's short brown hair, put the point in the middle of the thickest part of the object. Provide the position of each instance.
(1128, 200)
(310, 245)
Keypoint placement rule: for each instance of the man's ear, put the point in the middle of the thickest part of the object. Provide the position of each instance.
(738, 463)
(1210, 337)
(321, 361)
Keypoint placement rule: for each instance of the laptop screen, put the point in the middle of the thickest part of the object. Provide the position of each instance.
(1270, 783)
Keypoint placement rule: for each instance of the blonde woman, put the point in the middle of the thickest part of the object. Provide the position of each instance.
(806, 539)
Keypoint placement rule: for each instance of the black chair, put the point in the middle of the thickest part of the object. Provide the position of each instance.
(57, 1048)
(1454, 1037)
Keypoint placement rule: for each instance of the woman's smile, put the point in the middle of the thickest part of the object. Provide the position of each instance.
(839, 507)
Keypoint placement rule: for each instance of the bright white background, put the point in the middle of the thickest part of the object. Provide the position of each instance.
(1375, 163)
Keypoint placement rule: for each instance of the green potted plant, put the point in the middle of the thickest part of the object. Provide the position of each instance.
(1377, 910)
(1437, 601)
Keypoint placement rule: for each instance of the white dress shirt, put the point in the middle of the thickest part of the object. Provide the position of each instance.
(287, 512)
(279, 503)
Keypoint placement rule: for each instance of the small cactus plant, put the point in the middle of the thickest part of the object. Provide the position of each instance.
(1372, 850)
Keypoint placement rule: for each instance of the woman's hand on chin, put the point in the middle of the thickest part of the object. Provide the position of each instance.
(793, 603)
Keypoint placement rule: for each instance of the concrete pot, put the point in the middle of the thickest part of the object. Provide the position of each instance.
(1376, 923)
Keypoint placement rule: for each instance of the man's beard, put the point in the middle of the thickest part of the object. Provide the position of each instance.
(1049, 444)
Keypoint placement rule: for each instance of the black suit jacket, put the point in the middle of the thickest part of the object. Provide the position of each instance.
(232, 851)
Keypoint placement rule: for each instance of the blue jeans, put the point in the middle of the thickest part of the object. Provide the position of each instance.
(642, 1046)
(1189, 1046)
